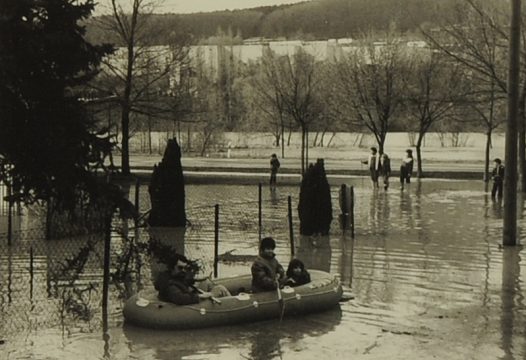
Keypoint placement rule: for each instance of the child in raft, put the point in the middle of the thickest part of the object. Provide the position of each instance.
(267, 272)
(297, 274)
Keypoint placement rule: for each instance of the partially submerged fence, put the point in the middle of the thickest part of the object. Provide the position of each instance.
(49, 282)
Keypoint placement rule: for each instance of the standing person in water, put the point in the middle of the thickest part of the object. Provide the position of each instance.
(267, 272)
(385, 169)
(406, 169)
(374, 166)
(497, 175)
(274, 167)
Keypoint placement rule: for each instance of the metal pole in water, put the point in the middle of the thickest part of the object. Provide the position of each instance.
(291, 229)
(137, 193)
(216, 239)
(343, 206)
(9, 217)
(260, 205)
(509, 233)
(31, 259)
(351, 212)
(106, 275)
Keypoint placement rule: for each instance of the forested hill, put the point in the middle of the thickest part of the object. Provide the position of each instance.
(310, 20)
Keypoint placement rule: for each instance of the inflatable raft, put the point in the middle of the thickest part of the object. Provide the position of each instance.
(323, 292)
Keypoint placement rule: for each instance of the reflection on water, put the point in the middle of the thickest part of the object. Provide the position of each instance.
(258, 341)
(426, 268)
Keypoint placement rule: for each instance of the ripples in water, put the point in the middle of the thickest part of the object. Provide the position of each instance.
(426, 268)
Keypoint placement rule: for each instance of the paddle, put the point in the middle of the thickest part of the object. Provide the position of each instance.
(213, 298)
(280, 302)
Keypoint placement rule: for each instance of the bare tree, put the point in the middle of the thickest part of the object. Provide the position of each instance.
(488, 103)
(296, 84)
(267, 99)
(135, 72)
(433, 88)
(478, 38)
(370, 80)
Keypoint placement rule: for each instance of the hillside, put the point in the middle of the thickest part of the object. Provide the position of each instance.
(309, 20)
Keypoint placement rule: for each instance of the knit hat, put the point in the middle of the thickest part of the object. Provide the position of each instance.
(267, 243)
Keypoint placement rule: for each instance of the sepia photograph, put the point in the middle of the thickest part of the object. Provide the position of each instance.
(262, 179)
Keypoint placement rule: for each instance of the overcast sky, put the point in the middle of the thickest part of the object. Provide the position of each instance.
(189, 6)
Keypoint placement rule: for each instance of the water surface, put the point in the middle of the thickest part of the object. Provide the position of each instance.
(429, 276)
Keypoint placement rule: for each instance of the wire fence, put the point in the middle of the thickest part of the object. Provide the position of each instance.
(50, 283)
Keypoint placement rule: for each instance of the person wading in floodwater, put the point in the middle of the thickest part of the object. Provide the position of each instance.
(497, 175)
(374, 166)
(406, 169)
(274, 167)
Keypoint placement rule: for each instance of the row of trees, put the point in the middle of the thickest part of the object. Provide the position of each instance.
(49, 141)
(379, 86)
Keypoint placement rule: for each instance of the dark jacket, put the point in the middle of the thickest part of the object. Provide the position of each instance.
(407, 166)
(265, 272)
(301, 278)
(385, 166)
(497, 174)
(175, 290)
(274, 165)
(297, 280)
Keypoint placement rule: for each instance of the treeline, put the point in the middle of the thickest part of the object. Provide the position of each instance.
(310, 20)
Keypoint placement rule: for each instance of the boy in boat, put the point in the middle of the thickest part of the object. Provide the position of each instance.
(297, 274)
(176, 284)
(267, 272)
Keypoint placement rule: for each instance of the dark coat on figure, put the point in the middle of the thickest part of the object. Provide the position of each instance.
(300, 279)
(385, 166)
(497, 174)
(175, 289)
(265, 273)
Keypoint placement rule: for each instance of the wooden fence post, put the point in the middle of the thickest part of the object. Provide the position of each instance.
(216, 239)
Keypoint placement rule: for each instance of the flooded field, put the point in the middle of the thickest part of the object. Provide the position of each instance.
(426, 267)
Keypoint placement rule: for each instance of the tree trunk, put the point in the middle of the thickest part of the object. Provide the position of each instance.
(509, 228)
(522, 143)
(188, 140)
(149, 134)
(486, 156)
(315, 139)
(330, 140)
(302, 151)
(306, 147)
(282, 135)
(419, 171)
(125, 156)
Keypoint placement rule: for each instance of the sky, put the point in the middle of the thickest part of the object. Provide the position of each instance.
(189, 6)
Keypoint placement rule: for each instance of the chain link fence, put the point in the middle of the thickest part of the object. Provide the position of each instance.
(50, 283)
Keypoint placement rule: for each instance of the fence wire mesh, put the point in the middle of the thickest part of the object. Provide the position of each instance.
(50, 283)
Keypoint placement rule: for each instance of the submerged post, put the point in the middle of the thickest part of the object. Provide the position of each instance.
(509, 233)
(216, 239)
(31, 272)
(137, 193)
(343, 207)
(9, 216)
(260, 205)
(351, 212)
(291, 229)
(106, 274)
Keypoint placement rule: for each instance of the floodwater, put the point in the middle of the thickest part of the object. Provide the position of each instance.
(426, 267)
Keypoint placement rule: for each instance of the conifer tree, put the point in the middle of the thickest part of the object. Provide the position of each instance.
(49, 146)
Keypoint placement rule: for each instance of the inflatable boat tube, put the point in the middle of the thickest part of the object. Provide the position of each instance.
(145, 310)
